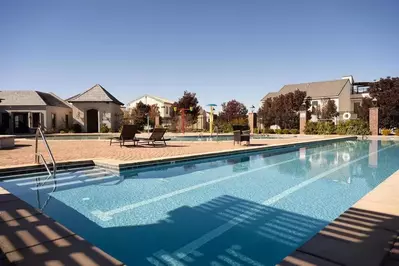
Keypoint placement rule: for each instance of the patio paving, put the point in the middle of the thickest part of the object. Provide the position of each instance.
(66, 150)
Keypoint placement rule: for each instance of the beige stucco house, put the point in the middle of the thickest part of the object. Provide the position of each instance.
(346, 93)
(164, 105)
(23, 111)
(96, 107)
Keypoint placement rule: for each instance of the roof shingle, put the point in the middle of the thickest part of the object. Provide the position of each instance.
(95, 94)
(30, 98)
(318, 89)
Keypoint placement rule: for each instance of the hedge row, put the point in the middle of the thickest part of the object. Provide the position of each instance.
(349, 127)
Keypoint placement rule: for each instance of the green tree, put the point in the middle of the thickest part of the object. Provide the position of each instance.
(187, 101)
(329, 110)
(363, 111)
(283, 109)
(386, 91)
(233, 110)
(140, 112)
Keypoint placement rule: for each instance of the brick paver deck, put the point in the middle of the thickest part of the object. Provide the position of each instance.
(66, 150)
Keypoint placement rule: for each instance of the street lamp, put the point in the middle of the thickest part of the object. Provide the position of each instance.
(212, 108)
(252, 108)
(183, 114)
(374, 102)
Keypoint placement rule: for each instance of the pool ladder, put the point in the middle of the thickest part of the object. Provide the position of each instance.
(38, 156)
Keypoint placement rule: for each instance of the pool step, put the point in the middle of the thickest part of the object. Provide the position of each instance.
(66, 178)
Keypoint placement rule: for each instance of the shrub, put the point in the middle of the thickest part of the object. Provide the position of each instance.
(104, 128)
(278, 131)
(353, 127)
(294, 131)
(325, 128)
(268, 131)
(397, 132)
(386, 132)
(62, 131)
(311, 128)
(76, 128)
(286, 131)
(227, 128)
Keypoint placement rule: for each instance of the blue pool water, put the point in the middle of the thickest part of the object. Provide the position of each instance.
(239, 210)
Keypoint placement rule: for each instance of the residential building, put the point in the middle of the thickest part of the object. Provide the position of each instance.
(96, 107)
(346, 93)
(23, 111)
(164, 105)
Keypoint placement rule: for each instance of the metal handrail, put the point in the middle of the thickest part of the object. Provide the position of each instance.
(38, 155)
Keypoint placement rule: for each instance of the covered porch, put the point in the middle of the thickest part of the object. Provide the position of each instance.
(20, 122)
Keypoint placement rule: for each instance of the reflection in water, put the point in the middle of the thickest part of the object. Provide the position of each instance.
(373, 158)
(43, 181)
(240, 164)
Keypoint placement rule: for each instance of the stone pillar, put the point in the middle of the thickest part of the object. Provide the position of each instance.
(302, 122)
(252, 121)
(373, 120)
(157, 121)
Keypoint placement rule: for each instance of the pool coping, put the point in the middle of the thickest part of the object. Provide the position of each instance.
(119, 165)
(365, 234)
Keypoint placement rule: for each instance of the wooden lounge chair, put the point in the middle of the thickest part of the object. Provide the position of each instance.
(241, 135)
(157, 135)
(128, 133)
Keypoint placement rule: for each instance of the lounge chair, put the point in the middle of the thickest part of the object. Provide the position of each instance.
(128, 133)
(157, 135)
(241, 135)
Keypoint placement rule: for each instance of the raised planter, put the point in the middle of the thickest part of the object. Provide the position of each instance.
(7, 141)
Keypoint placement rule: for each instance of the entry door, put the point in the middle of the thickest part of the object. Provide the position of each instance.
(5, 123)
(92, 121)
(21, 123)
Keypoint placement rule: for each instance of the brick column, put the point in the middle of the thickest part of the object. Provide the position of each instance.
(373, 120)
(252, 121)
(302, 122)
(157, 123)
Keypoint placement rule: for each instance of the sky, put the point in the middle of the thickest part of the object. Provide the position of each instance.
(219, 49)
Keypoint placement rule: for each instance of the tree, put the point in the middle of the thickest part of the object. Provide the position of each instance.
(283, 109)
(188, 100)
(386, 91)
(140, 112)
(363, 111)
(329, 109)
(233, 110)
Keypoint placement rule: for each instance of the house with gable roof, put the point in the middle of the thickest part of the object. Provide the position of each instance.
(164, 105)
(346, 93)
(22, 111)
(95, 107)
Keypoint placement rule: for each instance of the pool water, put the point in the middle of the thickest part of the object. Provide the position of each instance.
(238, 210)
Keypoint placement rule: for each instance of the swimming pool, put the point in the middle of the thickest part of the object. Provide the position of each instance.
(239, 210)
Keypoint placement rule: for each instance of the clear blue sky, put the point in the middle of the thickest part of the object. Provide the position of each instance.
(220, 49)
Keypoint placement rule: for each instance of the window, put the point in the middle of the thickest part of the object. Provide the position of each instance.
(53, 121)
(356, 107)
(66, 121)
(35, 120)
(167, 110)
(315, 103)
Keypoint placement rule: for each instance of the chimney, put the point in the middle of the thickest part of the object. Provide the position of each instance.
(350, 77)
